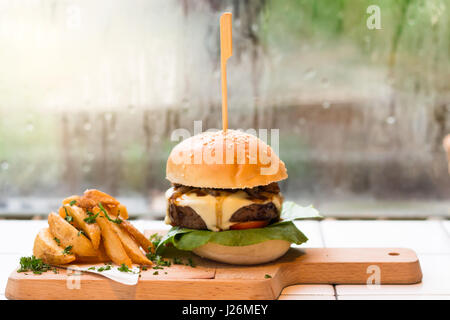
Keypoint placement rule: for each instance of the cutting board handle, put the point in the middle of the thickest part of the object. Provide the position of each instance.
(350, 266)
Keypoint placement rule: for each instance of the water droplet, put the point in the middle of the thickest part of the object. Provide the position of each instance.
(4, 165)
(90, 156)
(87, 126)
(310, 74)
(86, 168)
(29, 127)
(108, 116)
(391, 120)
(326, 105)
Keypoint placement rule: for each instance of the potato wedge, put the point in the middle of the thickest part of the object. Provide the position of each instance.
(63, 213)
(145, 243)
(131, 248)
(99, 196)
(119, 210)
(102, 257)
(47, 249)
(113, 246)
(68, 235)
(86, 203)
(92, 230)
(68, 200)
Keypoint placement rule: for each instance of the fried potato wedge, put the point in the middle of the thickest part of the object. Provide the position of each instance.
(131, 248)
(92, 230)
(46, 248)
(68, 200)
(68, 235)
(145, 243)
(118, 211)
(102, 256)
(99, 196)
(86, 203)
(113, 246)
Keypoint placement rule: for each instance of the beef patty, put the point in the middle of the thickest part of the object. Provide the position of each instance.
(186, 217)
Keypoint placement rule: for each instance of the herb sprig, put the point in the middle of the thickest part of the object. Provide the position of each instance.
(37, 266)
(67, 250)
(118, 220)
(91, 217)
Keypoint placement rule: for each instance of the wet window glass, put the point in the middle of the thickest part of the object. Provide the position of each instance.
(90, 92)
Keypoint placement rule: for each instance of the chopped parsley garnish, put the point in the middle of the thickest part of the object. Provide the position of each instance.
(177, 260)
(155, 239)
(267, 276)
(155, 273)
(118, 220)
(81, 232)
(33, 264)
(124, 268)
(67, 250)
(71, 203)
(55, 271)
(68, 218)
(105, 268)
(57, 240)
(91, 268)
(191, 263)
(91, 218)
(144, 268)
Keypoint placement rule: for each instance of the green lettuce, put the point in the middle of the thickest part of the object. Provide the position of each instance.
(285, 229)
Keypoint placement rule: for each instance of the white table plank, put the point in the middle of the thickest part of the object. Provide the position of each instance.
(306, 297)
(9, 262)
(309, 289)
(17, 236)
(311, 229)
(436, 281)
(421, 236)
(395, 297)
(446, 225)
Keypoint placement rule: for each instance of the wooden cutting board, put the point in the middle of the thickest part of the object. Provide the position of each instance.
(211, 280)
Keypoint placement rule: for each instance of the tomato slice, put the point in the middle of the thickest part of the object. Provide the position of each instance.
(249, 225)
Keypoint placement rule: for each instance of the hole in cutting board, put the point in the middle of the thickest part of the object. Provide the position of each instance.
(394, 253)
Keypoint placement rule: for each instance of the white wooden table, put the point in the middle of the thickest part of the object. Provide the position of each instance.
(430, 239)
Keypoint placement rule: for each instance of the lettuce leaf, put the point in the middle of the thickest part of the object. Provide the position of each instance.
(189, 239)
(292, 211)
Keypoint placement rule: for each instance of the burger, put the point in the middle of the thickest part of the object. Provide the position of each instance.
(225, 203)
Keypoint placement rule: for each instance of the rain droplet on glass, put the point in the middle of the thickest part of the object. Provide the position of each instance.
(29, 127)
(310, 73)
(4, 165)
(131, 109)
(326, 104)
(108, 116)
(87, 126)
(391, 120)
(325, 82)
(90, 156)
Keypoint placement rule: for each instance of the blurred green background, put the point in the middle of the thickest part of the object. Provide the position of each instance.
(91, 90)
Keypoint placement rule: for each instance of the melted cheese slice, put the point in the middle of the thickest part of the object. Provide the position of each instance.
(216, 212)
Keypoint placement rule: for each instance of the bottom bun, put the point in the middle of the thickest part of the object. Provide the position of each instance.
(246, 255)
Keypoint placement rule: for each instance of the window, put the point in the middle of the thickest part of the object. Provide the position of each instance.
(91, 90)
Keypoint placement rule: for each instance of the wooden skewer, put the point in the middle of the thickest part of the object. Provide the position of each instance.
(226, 51)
